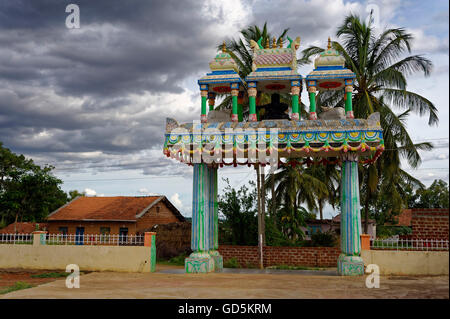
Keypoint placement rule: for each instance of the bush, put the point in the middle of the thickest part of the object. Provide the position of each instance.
(327, 239)
(389, 231)
(231, 263)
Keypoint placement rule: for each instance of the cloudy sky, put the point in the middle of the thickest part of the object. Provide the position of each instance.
(93, 101)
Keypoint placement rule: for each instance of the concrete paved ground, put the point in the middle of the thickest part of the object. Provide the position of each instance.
(237, 285)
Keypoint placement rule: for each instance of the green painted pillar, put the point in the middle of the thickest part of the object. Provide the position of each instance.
(252, 101)
(350, 261)
(240, 113)
(204, 95)
(312, 103)
(205, 227)
(295, 93)
(348, 102)
(234, 106)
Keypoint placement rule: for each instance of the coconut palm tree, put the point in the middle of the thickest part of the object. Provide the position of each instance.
(381, 64)
(294, 186)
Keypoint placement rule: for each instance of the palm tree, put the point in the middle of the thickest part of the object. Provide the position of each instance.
(329, 176)
(380, 86)
(295, 186)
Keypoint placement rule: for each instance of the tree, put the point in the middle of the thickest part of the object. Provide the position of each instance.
(435, 196)
(238, 215)
(28, 192)
(75, 193)
(380, 86)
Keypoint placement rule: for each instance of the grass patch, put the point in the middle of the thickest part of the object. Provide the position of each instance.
(174, 261)
(51, 275)
(19, 285)
(54, 274)
(286, 267)
(231, 263)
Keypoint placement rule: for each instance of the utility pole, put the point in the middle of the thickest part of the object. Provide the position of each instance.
(260, 232)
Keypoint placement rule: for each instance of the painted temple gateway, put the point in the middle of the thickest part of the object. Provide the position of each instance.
(223, 138)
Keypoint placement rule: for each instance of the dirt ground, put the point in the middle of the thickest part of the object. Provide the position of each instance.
(10, 276)
(236, 285)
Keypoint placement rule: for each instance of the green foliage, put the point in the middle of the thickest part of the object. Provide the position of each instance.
(287, 267)
(51, 275)
(27, 191)
(231, 263)
(435, 196)
(381, 64)
(174, 261)
(389, 231)
(326, 239)
(19, 285)
(74, 194)
(238, 224)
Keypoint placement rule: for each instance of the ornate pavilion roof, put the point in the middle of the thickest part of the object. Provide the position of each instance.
(224, 72)
(276, 66)
(329, 70)
(318, 138)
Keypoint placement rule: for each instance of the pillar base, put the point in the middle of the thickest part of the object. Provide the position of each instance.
(218, 260)
(234, 118)
(295, 117)
(199, 262)
(349, 115)
(252, 118)
(350, 265)
(313, 116)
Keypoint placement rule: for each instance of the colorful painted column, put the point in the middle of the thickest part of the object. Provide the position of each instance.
(312, 100)
(348, 99)
(205, 228)
(234, 97)
(252, 101)
(350, 262)
(39, 237)
(150, 241)
(211, 100)
(204, 95)
(295, 93)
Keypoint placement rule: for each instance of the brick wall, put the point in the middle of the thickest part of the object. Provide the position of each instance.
(430, 223)
(158, 214)
(292, 256)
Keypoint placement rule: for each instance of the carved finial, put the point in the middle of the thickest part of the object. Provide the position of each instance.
(224, 47)
(267, 43)
(329, 43)
(280, 45)
(274, 43)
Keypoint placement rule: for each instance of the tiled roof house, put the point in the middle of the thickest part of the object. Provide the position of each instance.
(112, 215)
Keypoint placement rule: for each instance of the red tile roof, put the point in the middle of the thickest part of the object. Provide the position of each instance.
(120, 208)
(22, 228)
(337, 219)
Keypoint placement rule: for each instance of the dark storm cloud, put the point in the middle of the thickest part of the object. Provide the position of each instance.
(120, 47)
(75, 90)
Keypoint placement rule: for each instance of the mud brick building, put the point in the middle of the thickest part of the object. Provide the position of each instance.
(112, 215)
